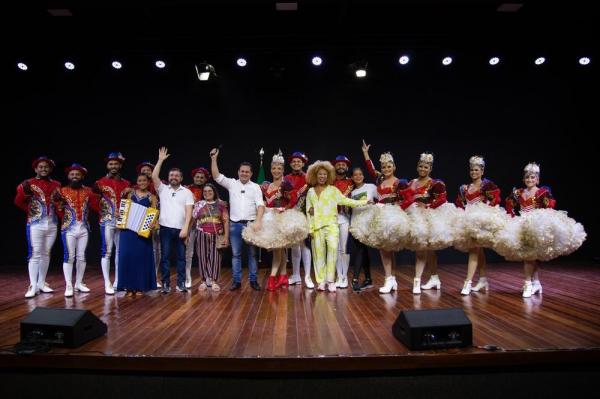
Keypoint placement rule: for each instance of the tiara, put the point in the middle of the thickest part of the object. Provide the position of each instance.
(532, 167)
(477, 160)
(278, 158)
(426, 157)
(386, 157)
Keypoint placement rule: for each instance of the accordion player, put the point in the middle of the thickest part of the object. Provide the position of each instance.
(136, 217)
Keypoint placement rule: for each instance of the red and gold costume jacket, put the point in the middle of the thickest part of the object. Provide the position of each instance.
(299, 189)
(196, 191)
(39, 199)
(386, 195)
(74, 206)
(432, 194)
(517, 202)
(110, 191)
(488, 193)
(279, 197)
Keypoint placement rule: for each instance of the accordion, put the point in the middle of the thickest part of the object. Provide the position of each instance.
(136, 217)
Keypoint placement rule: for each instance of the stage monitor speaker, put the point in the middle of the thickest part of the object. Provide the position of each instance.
(61, 327)
(433, 329)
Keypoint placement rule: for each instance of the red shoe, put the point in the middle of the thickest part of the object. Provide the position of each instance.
(272, 283)
(283, 281)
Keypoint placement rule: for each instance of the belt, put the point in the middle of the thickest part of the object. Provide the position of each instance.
(242, 221)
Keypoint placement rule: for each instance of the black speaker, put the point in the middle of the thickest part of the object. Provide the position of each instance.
(61, 327)
(433, 329)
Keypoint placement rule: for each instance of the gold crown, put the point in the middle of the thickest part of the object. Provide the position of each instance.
(477, 160)
(532, 167)
(426, 157)
(386, 157)
(278, 158)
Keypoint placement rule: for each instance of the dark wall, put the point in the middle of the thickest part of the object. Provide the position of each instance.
(511, 115)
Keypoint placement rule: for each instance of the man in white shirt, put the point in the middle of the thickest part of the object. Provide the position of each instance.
(246, 205)
(176, 204)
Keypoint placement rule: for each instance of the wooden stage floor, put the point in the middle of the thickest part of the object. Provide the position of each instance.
(297, 329)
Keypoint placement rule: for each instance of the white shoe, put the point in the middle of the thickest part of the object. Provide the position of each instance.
(389, 285)
(295, 279)
(417, 286)
(321, 287)
(81, 287)
(343, 282)
(45, 288)
(31, 292)
(434, 281)
(332, 287)
(209, 282)
(116, 284)
(466, 288)
(338, 282)
(536, 287)
(527, 289)
(69, 291)
(308, 281)
(158, 284)
(482, 284)
(188, 282)
(108, 289)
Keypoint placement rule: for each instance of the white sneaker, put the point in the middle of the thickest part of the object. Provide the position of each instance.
(466, 288)
(338, 282)
(343, 282)
(536, 287)
(434, 282)
(331, 287)
(389, 285)
(482, 284)
(45, 288)
(417, 286)
(321, 287)
(295, 279)
(527, 289)
(81, 287)
(308, 282)
(69, 291)
(188, 282)
(108, 289)
(158, 284)
(31, 292)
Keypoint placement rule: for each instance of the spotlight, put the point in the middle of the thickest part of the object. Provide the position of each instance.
(204, 71)
(361, 73)
(540, 60)
(359, 68)
(69, 65)
(316, 61)
(494, 61)
(584, 61)
(22, 66)
(447, 61)
(242, 62)
(405, 59)
(160, 64)
(117, 65)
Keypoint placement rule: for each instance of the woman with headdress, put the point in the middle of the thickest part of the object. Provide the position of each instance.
(482, 219)
(322, 201)
(542, 233)
(388, 192)
(428, 231)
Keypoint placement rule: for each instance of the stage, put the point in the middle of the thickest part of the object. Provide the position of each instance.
(300, 330)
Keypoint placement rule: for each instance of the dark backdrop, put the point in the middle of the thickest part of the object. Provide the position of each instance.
(511, 114)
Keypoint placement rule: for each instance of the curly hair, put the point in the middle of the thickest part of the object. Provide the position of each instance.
(311, 173)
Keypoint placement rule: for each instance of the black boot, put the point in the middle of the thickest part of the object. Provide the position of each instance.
(355, 284)
(368, 283)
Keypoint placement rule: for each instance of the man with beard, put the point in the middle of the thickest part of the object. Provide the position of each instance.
(110, 190)
(146, 168)
(176, 204)
(345, 185)
(300, 252)
(200, 176)
(74, 209)
(38, 197)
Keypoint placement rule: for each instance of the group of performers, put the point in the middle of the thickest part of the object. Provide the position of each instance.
(327, 216)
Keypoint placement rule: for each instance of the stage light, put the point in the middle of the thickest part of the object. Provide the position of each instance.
(403, 60)
(584, 61)
(361, 73)
(69, 65)
(242, 62)
(160, 64)
(316, 61)
(494, 61)
(447, 61)
(22, 66)
(204, 71)
(359, 68)
(540, 60)
(117, 65)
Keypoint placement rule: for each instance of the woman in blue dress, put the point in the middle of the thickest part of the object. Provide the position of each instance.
(136, 256)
